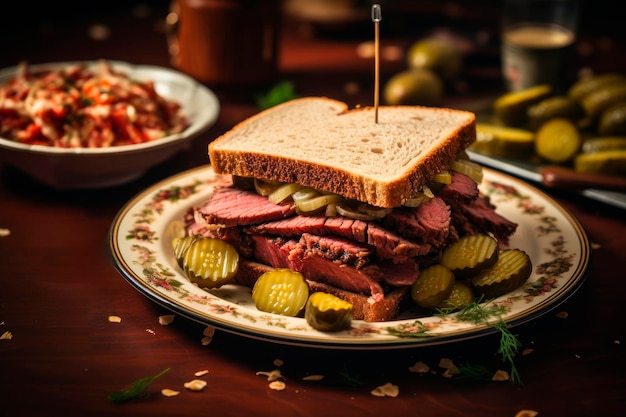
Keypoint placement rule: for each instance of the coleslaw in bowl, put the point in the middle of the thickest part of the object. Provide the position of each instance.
(65, 167)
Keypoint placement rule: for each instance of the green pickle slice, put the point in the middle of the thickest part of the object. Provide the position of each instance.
(470, 254)
(181, 246)
(328, 313)
(281, 291)
(511, 108)
(503, 141)
(558, 141)
(611, 162)
(605, 143)
(433, 285)
(462, 295)
(211, 263)
(511, 270)
(584, 86)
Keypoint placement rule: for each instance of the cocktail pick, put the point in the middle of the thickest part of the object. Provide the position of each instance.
(376, 18)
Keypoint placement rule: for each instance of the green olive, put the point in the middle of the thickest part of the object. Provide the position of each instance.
(417, 86)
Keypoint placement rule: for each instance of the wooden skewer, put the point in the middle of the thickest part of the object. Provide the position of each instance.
(376, 18)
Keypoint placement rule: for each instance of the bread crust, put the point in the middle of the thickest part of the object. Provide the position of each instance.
(388, 185)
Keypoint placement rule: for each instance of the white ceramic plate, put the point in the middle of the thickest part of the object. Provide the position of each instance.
(75, 168)
(140, 241)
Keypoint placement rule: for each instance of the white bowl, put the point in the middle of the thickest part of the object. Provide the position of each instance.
(80, 168)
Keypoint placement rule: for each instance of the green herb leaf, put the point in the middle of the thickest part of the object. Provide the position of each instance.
(480, 312)
(137, 390)
(280, 93)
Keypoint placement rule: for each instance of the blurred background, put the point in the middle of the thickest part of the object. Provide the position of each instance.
(135, 31)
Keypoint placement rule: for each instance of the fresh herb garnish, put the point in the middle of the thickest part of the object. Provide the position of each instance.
(137, 390)
(480, 312)
(509, 346)
(345, 377)
(280, 93)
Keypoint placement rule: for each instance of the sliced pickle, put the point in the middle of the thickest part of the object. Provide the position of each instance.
(211, 263)
(181, 245)
(612, 162)
(433, 285)
(281, 291)
(470, 254)
(511, 108)
(552, 107)
(462, 295)
(265, 187)
(283, 192)
(469, 168)
(304, 193)
(558, 140)
(416, 200)
(584, 86)
(607, 143)
(601, 99)
(327, 312)
(444, 177)
(613, 120)
(317, 203)
(511, 270)
(503, 141)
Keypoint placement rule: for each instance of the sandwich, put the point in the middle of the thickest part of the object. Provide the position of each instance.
(357, 206)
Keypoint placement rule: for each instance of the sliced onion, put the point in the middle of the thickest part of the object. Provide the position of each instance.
(331, 210)
(427, 191)
(283, 192)
(375, 212)
(417, 200)
(352, 211)
(316, 203)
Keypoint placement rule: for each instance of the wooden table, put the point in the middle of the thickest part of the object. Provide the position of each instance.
(58, 287)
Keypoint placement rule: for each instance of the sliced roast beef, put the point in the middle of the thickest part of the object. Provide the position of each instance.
(387, 244)
(461, 190)
(429, 222)
(282, 253)
(230, 207)
(337, 249)
(480, 217)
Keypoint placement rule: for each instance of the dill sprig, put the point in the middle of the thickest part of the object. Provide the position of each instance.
(509, 346)
(479, 312)
(345, 377)
(474, 372)
(137, 390)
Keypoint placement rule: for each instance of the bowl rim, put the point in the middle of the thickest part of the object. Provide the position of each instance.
(194, 129)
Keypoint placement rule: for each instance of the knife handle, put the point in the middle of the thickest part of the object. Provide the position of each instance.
(560, 177)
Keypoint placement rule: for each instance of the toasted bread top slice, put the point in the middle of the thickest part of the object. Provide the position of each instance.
(318, 142)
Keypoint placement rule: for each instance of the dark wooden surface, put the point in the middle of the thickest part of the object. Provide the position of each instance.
(58, 284)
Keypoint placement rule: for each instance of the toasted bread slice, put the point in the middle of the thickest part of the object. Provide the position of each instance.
(320, 143)
(384, 310)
